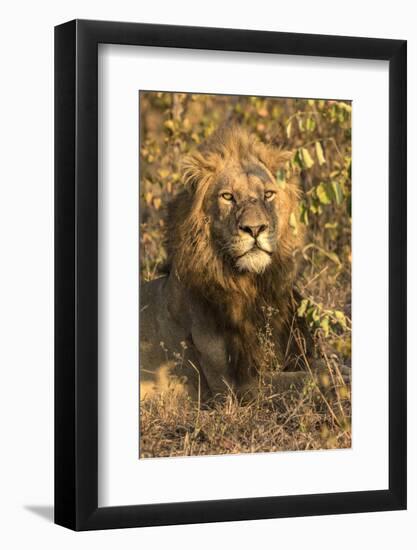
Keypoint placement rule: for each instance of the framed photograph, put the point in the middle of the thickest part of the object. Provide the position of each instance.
(230, 253)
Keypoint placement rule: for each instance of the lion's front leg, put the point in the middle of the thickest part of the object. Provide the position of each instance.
(279, 383)
(319, 374)
(213, 359)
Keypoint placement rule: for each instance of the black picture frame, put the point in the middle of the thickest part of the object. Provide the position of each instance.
(76, 272)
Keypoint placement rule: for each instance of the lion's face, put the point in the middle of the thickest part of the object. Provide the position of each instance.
(244, 215)
(233, 218)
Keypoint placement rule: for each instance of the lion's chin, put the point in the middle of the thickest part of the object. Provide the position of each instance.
(255, 261)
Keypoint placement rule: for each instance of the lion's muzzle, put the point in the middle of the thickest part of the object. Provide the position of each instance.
(253, 246)
(253, 219)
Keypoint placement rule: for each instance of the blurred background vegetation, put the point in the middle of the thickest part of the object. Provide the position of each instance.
(318, 131)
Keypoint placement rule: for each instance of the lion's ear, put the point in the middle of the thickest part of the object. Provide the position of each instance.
(194, 168)
(275, 158)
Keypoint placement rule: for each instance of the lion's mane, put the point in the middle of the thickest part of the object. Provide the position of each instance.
(238, 300)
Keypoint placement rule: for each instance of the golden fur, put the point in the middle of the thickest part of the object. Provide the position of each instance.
(212, 300)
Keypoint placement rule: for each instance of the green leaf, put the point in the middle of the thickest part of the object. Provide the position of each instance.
(304, 213)
(307, 160)
(315, 206)
(302, 308)
(341, 318)
(298, 161)
(316, 314)
(337, 191)
(170, 125)
(309, 315)
(310, 124)
(333, 257)
(313, 316)
(288, 129)
(345, 106)
(324, 323)
(322, 191)
(320, 154)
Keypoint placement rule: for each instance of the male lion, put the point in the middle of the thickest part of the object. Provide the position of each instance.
(232, 263)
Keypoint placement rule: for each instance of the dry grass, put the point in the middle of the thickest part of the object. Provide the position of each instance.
(172, 425)
(318, 416)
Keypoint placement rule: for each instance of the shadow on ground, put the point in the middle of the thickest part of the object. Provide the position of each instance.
(45, 512)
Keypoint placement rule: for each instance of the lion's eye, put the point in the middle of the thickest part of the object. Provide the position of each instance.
(269, 195)
(227, 196)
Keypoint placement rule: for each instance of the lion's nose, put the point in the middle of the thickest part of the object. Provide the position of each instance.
(253, 230)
